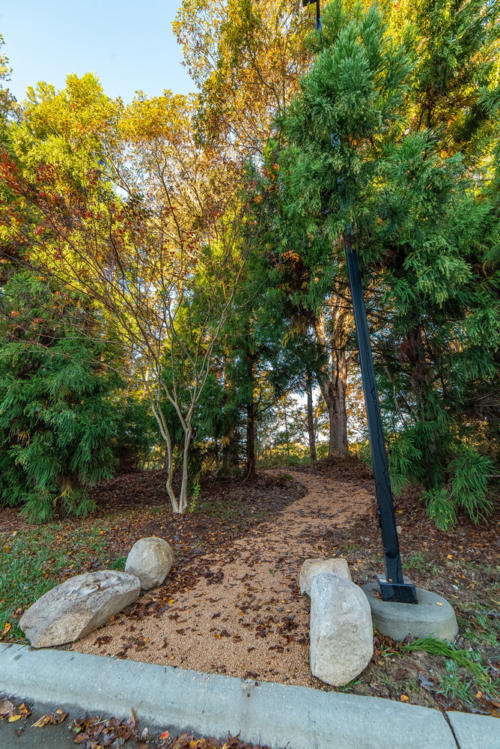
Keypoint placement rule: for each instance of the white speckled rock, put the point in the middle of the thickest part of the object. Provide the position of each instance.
(313, 567)
(341, 631)
(150, 559)
(78, 606)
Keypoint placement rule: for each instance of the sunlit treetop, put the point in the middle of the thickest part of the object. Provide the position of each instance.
(246, 58)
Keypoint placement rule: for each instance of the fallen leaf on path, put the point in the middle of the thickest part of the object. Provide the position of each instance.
(45, 720)
(6, 707)
(6, 628)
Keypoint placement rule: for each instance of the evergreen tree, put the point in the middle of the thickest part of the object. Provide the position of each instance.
(359, 160)
(442, 327)
(438, 227)
(58, 421)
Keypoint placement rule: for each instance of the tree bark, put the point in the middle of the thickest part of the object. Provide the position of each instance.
(251, 467)
(251, 471)
(182, 502)
(310, 418)
(332, 334)
(339, 391)
(413, 351)
(230, 451)
(231, 438)
(287, 434)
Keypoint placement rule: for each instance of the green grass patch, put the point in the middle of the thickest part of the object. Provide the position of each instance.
(118, 564)
(34, 561)
(470, 660)
(416, 561)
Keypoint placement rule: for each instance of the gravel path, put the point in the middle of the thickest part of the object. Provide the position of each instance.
(245, 616)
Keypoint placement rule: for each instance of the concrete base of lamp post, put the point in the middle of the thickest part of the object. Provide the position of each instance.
(432, 616)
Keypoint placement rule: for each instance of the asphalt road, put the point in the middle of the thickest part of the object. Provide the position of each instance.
(21, 735)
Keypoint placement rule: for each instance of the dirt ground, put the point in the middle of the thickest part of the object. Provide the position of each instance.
(231, 603)
(243, 614)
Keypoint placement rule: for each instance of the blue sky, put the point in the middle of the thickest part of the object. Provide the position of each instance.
(129, 45)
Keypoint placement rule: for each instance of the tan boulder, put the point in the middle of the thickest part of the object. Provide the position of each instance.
(78, 606)
(150, 559)
(341, 631)
(313, 567)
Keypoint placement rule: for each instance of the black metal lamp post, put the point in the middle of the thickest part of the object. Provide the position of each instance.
(394, 587)
(318, 12)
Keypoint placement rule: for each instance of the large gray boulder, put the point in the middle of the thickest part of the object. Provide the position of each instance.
(150, 559)
(341, 632)
(313, 567)
(78, 606)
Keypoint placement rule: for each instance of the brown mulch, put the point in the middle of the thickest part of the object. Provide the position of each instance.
(226, 510)
(133, 491)
(231, 603)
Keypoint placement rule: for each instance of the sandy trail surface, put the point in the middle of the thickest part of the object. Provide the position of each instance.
(244, 616)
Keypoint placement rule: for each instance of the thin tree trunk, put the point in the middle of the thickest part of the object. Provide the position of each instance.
(340, 444)
(230, 441)
(251, 467)
(287, 441)
(327, 387)
(333, 377)
(170, 478)
(251, 458)
(414, 351)
(412, 357)
(217, 456)
(182, 504)
(310, 418)
(229, 451)
(331, 419)
(169, 462)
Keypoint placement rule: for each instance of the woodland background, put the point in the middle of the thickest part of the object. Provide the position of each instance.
(173, 281)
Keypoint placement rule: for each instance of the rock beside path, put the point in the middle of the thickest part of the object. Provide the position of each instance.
(77, 606)
(150, 559)
(341, 631)
(313, 567)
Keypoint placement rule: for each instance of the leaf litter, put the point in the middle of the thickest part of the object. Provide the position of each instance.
(95, 732)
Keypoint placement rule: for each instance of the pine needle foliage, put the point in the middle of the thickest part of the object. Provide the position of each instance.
(57, 419)
(393, 135)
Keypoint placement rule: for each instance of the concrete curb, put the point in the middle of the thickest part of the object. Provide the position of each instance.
(213, 705)
(475, 731)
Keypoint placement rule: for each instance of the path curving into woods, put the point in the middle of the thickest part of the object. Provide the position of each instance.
(244, 616)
